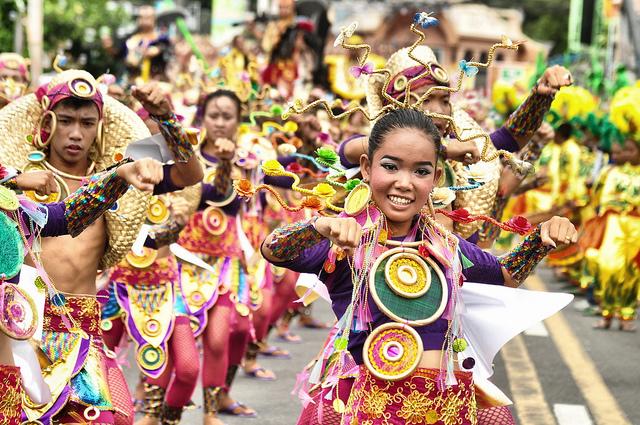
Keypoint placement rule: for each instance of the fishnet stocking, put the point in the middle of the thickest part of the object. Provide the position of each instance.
(120, 395)
(239, 339)
(186, 363)
(500, 415)
(215, 361)
(285, 294)
(261, 317)
(163, 380)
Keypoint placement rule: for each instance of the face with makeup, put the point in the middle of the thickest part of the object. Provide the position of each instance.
(401, 167)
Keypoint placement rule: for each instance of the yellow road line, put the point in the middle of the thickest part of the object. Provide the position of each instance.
(526, 390)
(602, 404)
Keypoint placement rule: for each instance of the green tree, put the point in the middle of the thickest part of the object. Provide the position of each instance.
(72, 27)
(544, 20)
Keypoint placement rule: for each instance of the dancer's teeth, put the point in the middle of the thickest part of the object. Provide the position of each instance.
(400, 201)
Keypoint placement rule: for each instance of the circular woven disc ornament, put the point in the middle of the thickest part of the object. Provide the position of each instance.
(157, 212)
(11, 247)
(357, 200)
(150, 357)
(214, 221)
(407, 275)
(420, 310)
(18, 317)
(392, 351)
(143, 261)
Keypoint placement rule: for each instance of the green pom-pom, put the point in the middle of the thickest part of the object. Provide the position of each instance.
(351, 184)
(328, 156)
(11, 247)
(459, 345)
(340, 344)
(277, 110)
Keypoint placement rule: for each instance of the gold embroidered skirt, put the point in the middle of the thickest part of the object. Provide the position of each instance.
(413, 400)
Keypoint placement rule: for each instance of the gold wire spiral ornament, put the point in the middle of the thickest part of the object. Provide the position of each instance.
(298, 108)
(322, 191)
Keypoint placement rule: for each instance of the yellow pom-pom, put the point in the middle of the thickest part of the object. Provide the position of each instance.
(573, 101)
(272, 168)
(324, 190)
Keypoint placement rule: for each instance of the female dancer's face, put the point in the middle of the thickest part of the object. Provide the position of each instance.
(221, 119)
(401, 174)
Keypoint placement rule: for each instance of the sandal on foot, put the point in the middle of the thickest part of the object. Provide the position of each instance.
(275, 352)
(291, 338)
(603, 324)
(238, 409)
(253, 373)
(626, 326)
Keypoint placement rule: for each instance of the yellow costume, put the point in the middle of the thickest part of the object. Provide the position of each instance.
(614, 265)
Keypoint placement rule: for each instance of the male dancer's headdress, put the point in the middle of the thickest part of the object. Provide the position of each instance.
(24, 146)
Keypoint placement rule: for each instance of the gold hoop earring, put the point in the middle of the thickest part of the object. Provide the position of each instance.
(100, 138)
(37, 139)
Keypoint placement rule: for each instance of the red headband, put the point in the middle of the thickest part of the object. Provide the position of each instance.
(399, 82)
(79, 88)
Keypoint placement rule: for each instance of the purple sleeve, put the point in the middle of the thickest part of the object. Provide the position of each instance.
(166, 185)
(281, 181)
(343, 159)
(56, 220)
(503, 140)
(211, 193)
(485, 269)
(310, 261)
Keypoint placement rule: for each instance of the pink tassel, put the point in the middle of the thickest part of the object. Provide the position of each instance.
(363, 318)
(305, 398)
(66, 322)
(301, 379)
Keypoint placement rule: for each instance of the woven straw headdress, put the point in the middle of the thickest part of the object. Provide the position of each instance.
(18, 123)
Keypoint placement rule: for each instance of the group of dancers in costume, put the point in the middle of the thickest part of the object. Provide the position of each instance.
(210, 245)
(588, 171)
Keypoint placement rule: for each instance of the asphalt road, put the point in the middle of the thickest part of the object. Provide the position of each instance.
(561, 372)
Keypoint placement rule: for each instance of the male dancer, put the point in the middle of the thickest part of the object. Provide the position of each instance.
(85, 382)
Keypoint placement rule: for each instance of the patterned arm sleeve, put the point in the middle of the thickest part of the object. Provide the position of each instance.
(524, 258)
(290, 241)
(179, 140)
(89, 202)
(529, 115)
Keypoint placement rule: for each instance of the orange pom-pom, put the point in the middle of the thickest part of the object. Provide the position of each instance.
(312, 203)
(244, 188)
